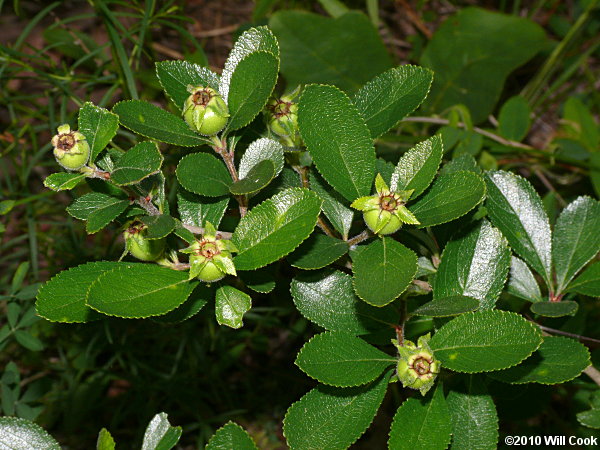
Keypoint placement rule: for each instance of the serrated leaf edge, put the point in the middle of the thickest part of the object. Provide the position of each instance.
(231, 422)
(181, 184)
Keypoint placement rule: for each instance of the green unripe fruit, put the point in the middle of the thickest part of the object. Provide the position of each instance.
(140, 247)
(282, 117)
(205, 252)
(417, 367)
(209, 271)
(71, 149)
(205, 111)
(375, 217)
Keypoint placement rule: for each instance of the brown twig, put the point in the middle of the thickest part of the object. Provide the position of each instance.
(216, 31)
(366, 234)
(414, 18)
(201, 230)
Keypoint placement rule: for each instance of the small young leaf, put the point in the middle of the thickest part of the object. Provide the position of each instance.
(135, 291)
(341, 359)
(260, 150)
(22, 434)
(451, 196)
(555, 309)
(513, 120)
(333, 418)
(422, 423)
(137, 163)
(195, 210)
(338, 214)
(160, 435)
(318, 251)
(231, 437)
(275, 228)
(557, 360)
(204, 174)
(522, 283)
(484, 341)
(258, 177)
(447, 306)
(383, 271)
(176, 76)
(105, 440)
(389, 97)
(158, 226)
(588, 283)
(63, 181)
(418, 166)
(338, 140)
(98, 125)
(230, 306)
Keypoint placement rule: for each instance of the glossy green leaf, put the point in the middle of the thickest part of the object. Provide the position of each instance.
(176, 76)
(261, 280)
(346, 51)
(63, 181)
(333, 418)
(105, 440)
(98, 209)
(261, 150)
(342, 359)
(204, 174)
(158, 226)
(84, 206)
(471, 71)
(421, 422)
(231, 437)
(447, 306)
(318, 251)
(589, 418)
(588, 283)
(475, 265)
(338, 140)
(333, 207)
(383, 271)
(196, 210)
(522, 283)
(230, 306)
(200, 296)
(275, 227)
(516, 209)
(98, 125)
(576, 239)
(473, 416)
(137, 163)
(160, 435)
(22, 434)
(258, 177)
(153, 122)
(418, 166)
(389, 97)
(555, 309)
(484, 341)
(328, 299)
(62, 298)
(557, 360)
(514, 118)
(464, 161)
(144, 290)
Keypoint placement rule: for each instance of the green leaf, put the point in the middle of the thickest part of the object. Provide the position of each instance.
(588, 283)
(466, 62)
(328, 299)
(338, 140)
(62, 298)
(200, 296)
(84, 206)
(204, 174)
(576, 239)
(63, 181)
(261, 150)
(21, 434)
(135, 291)
(318, 251)
(341, 359)
(514, 118)
(98, 209)
(158, 226)
(522, 283)
(105, 440)
(28, 341)
(98, 125)
(275, 227)
(580, 123)
(475, 265)
(258, 177)
(137, 163)
(418, 166)
(474, 417)
(389, 97)
(160, 435)
(261, 280)
(195, 210)
(557, 360)
(333, 207)
(422, 423)
(484, 341)
(590, 418)
(447, 306)
(555, 309)
(176, 76)
(230, 306)
(517, 210)
(153, 122)
(451, 196)
(346, 51)
(229, 437)
(383, 271)
(333, 418)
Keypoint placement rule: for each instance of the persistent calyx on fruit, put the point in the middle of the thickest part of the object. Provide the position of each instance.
(139, 246)
(282, 119)
(385, 212)
(211, 257)
(71, 150)
(417, 367)
(205, 110)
